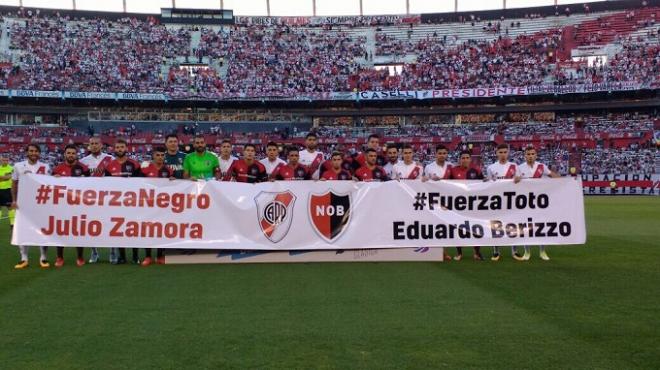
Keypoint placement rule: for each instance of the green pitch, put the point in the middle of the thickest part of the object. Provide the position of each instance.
(594, 306)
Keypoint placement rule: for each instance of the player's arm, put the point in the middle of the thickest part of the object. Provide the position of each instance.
(356, 175)
(487, 175)
(14, 194)
(356, 162)
(447, 174)
(273, 175)
(187, 169)
(429, 175)
(550, 173)
(420, 173)
(137, 171)
(263, 175)
(322, 169)
(230, 172)
(518, 176)
(100, 170)
(217, 172)
(14, 189)
(8, 176)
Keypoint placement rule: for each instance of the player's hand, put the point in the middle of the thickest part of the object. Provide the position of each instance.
(56, 175)
(321, 179)
(13, 205)
(435, 178)
(517, 179)
(425, 178)
(172, 178)
(192, 178)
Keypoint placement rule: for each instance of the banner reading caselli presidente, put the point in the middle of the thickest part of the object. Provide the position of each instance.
(118, 212)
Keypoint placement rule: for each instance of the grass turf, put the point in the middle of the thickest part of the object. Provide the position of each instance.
(593, 306)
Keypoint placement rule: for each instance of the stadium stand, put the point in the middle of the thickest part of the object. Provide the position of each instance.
(592, 144)
(141, 55)
(62, 52)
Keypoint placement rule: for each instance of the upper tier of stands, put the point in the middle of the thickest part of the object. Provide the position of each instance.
(47, 52)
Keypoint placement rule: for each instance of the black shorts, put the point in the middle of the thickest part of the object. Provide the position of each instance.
(5, 197)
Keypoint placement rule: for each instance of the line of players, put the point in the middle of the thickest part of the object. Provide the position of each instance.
(306, 164)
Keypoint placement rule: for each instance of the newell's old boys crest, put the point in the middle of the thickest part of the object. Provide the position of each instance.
(329, 213)
(275, 212)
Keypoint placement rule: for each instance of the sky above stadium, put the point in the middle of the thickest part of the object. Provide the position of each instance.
(290, 7)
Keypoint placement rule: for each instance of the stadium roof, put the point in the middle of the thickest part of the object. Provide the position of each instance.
(292, 7)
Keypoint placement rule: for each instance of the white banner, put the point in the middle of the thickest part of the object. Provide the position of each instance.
(490, 92)
(89, 95)
(141, 96)
(304, 215)
(35, 94)
(329, 20)
(621, 184)
(486, 92)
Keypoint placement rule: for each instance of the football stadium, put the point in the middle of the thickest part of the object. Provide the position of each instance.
(329, 184)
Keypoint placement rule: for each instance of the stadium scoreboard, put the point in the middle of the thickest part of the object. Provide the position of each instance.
(196, 16)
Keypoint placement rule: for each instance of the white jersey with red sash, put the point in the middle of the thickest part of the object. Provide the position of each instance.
(412, 171)
(272, 165)
(500, 171)
(434, 170)
(535, 171)
(312, 160)
(97, 163)
(389, 168)
(224, 164)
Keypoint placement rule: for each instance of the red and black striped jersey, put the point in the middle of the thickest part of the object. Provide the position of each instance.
(376, 174)
(361, 160)
(240, 171)
(462, 173)
(346, 165)
(129, 168)
(287, 172)
(74, 170)
(341, 175)
(151, 170)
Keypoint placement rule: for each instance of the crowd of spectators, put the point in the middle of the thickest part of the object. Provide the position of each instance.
(139, 55)
(283, 60)
(492, 125)
(94, 55)
(636, 62)
(601, 156)
(619, 161)
(596, 161)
